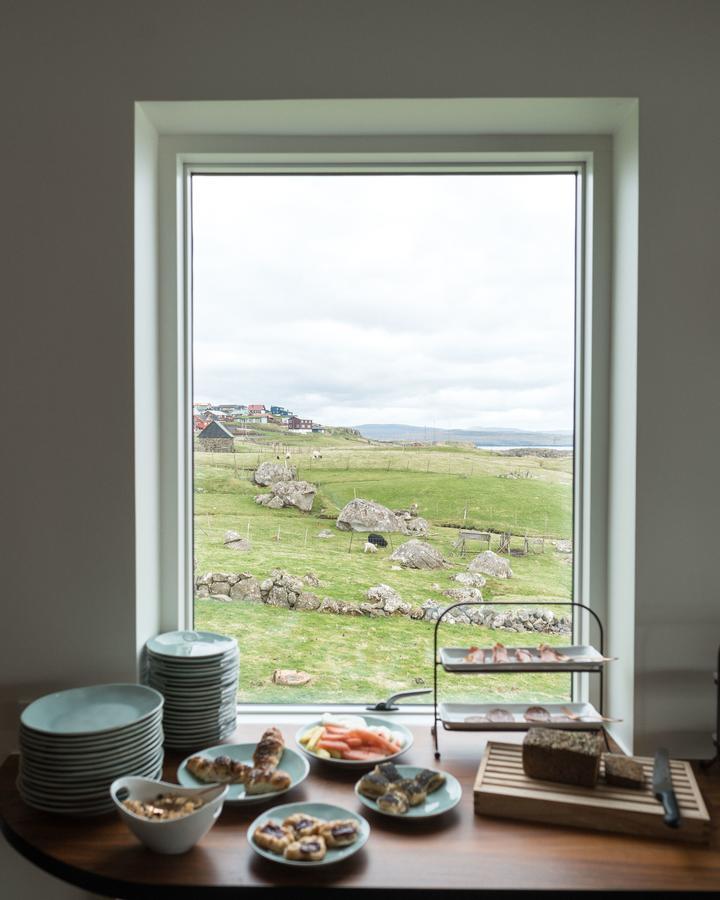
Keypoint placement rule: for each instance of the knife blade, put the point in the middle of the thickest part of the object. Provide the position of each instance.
(663, 788)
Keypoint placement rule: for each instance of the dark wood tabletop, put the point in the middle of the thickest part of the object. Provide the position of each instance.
(458, 851)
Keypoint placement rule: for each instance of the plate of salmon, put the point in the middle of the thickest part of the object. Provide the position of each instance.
(353, 741)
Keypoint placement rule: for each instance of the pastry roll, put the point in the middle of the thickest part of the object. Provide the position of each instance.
(373, 785)
(220, 770)
(266, 781)
(394, 801)
(269, 749)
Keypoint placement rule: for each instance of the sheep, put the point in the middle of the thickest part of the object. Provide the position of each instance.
(287, 455)
(316, 454)
(369, 548)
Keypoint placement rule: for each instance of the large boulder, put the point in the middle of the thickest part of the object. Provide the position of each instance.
(366, 515)
(271, 472)
(289, 493)
(418, 526)
(464, 595)
(490, 563)
(418, 555)
(235, 541)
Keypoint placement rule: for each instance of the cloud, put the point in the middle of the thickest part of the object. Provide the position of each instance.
(445, 300)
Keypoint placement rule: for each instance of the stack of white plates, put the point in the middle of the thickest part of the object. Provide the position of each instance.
(197, 674)
(74, 744)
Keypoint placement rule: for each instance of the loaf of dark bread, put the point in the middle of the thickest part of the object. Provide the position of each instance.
(570, 757)
(623, 771)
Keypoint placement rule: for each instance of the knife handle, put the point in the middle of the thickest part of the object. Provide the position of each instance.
(672, 813)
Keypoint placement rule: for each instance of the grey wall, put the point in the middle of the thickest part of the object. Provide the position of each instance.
(70, 73)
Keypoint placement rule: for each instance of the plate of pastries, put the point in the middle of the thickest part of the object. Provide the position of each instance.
(252, 772)
(408, 791)
(308, 835)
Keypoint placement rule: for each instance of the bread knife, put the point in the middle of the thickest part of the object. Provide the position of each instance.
(663, 788)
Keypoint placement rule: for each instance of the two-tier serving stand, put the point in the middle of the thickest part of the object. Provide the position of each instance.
(473, 717)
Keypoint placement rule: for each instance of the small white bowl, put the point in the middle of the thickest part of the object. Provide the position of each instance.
(169, 835)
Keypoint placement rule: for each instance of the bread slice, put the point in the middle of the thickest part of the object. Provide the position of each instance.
(569, 757)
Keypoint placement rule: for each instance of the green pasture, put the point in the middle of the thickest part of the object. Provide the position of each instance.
(453, 486)
(358, 660)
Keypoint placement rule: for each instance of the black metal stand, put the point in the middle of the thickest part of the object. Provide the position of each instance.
(436, 719)
(706, 763)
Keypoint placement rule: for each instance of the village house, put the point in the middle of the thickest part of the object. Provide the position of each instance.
(300, 426)
(216, 438)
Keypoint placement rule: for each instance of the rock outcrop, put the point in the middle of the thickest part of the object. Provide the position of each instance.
(271, 472)
(489, 563)
(416, 554)
(299, 494)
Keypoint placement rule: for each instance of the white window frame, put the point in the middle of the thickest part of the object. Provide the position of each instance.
(589, 156)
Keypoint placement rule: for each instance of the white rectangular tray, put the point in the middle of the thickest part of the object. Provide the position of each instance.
(453, 660)
(454, 716)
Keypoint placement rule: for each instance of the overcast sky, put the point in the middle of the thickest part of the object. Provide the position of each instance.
(443, 300)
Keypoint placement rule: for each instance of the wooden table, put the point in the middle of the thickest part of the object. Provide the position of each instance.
(458, 851)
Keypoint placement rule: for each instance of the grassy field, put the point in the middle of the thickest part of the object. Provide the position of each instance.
(454, 486)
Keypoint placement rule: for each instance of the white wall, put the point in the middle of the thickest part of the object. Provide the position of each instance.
(71, 72)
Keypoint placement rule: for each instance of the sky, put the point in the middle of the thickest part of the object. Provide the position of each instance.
(444, 300)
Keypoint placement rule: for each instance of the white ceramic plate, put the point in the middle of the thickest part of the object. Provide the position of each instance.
(190, 645)
(393, 725)
(321, 811)
(440, 801)
(291, 762)
(102, 708)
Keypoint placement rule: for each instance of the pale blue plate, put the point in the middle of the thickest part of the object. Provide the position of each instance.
(191, 644)
(393, 725)
(440, 801)
(291, 762)
(91, 710)
(320, 811)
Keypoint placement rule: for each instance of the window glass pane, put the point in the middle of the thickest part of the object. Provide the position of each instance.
(391, 357)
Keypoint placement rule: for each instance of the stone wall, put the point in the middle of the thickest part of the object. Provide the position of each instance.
(215, 445)
(284, 590)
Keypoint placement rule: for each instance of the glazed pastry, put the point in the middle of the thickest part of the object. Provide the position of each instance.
(339, 832)
(222, 769)
(500, 715)
(524, 656)
(302, 825)
(537, 714)
(475, 655)
(394, 801)
(414, 792)
(499, 653)
(389, 771)
(266, 781)
(373, 785)
(269, 749)
(429, 780)
(273, 836)
(311, 847)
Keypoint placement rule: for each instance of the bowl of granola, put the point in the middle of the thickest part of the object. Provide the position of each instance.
(167, 818)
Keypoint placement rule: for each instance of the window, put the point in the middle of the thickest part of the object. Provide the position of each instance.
(394, 352)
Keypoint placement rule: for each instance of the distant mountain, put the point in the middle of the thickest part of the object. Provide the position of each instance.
(490, 437)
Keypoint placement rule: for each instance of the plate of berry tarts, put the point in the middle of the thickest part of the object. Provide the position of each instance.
(308, 834)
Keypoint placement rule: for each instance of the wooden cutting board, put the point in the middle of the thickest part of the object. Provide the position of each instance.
(502, 789)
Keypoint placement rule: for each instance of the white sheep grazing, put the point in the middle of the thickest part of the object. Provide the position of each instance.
(287, 455)
(316, 454)
(369, 548)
